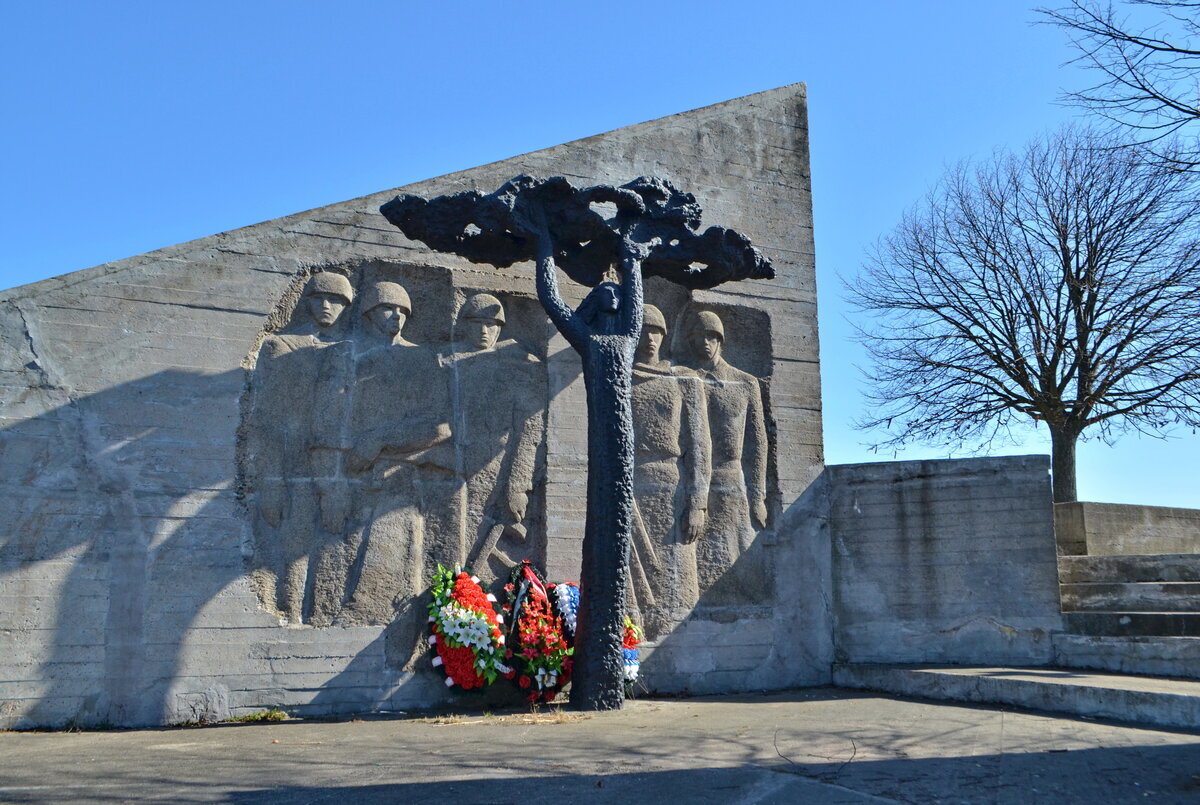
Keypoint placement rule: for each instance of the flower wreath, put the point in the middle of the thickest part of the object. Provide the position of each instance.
(565, 596)
(466, 631)
(633, 636)
(537, 635)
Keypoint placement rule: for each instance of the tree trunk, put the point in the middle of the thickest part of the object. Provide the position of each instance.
(1062, 463)
(598, 679)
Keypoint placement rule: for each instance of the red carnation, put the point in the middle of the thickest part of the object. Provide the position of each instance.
(524, 681)
(459, 663)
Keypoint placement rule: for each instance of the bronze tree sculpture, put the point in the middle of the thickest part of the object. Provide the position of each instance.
(643, 228)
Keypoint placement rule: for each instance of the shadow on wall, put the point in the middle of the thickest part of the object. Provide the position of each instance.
(122, 525)
(125, 524)
(767, 624)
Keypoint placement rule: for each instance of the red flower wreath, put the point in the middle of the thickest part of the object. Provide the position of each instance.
(466, 631)
(538, 641)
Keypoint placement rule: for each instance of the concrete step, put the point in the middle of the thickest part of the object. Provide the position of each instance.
(1140, 699)
(1160, 656)
(1133, 624)
(1161, 567)
(1145, 596)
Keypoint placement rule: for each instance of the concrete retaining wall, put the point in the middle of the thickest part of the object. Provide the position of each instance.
(944, 561)
(1105, 529)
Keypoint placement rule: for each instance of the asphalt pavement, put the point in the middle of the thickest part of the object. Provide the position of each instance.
(812, 746)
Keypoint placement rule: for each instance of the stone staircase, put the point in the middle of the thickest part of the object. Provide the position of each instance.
(1131, 613)
(1122, 697)
(1131, 596)
(1129, 648)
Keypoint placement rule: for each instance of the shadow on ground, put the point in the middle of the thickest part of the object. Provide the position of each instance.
(530, 773)
(1138, 774)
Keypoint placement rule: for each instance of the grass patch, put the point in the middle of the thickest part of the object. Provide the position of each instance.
(554, 715)
(274, 714)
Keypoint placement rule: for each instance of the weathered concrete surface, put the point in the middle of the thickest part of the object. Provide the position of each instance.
(1113, 528)
(1068, 529)
(1161, 656)
(1142, 596)
(126, 550)
(701, 657)
(1141, 699)
(944, 561)
(1129, 569)
(1133, 624)
(817, 745)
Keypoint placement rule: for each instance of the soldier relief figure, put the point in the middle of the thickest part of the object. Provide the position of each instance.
(737, 497)
(295, 439)
(400, 459)
(499, 388)
(671, 469)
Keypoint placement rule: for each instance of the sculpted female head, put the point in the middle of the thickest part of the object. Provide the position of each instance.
(600, 307)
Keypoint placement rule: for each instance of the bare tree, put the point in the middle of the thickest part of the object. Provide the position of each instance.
(1148, 74)
(1059, 285)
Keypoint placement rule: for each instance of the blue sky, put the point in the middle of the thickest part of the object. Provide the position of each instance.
(134, 125)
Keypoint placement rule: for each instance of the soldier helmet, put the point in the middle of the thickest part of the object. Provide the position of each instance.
(653, 317)
(707, 321)
(482, 306)
(386, 293)
(328, 282)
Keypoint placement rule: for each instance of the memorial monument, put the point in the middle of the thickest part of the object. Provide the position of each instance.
(231, 466)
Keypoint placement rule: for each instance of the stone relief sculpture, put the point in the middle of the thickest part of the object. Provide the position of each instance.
(499, 389)
(296, 440)
(672, 457)
(738, 487)
(400, 458)
(368, 457)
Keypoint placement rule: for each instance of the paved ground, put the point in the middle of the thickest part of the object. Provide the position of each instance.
(815, 745)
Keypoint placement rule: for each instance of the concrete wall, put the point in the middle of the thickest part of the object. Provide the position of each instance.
(124, 546)
(1103, 529)
(944, 561)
